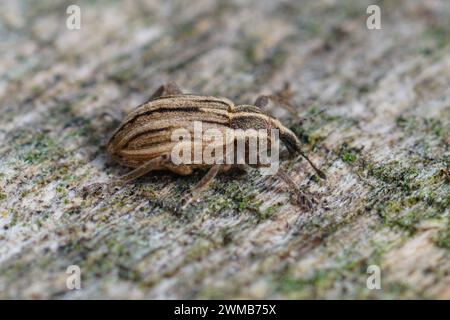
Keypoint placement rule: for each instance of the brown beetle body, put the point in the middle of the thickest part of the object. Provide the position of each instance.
(146, 133)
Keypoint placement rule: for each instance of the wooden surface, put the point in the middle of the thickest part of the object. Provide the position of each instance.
(382, 140)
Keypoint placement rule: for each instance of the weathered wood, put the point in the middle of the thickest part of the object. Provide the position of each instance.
(382, 140)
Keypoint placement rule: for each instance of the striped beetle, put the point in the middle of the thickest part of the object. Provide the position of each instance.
(143, 139)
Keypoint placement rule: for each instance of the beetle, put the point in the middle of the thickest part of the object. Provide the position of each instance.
(143, 139)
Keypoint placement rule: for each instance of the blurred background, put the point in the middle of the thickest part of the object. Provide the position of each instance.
(382, 140)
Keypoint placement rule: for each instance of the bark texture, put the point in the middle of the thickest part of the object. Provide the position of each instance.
(382, 140)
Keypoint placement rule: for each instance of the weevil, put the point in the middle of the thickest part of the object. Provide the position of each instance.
(143, 139)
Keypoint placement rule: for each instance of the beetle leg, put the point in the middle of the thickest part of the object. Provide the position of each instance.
(155, 163)
(242, 168)
(286, 91)
(302, 198)
(206, 180)
(181, 170)
(263, 100)
(167, 89)
(202, 184)
(282, 98)
(145, 168)
(115, 115)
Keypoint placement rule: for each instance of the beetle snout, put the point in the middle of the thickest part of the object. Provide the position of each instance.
(290, 140)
